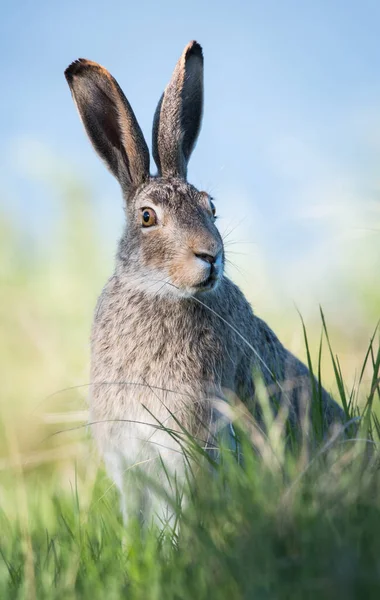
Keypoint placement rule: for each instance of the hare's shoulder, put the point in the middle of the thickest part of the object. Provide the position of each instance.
(236, 311)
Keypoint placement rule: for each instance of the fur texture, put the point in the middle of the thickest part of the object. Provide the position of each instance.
(169, 325)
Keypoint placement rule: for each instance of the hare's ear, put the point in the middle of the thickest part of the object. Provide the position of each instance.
(109, 121)
(178, 116)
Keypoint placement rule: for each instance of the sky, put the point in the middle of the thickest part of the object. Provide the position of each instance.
(290, 143)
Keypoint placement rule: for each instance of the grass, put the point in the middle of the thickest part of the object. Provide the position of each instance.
(280, 525)
(276, 525)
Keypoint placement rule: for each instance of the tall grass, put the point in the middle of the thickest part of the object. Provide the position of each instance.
(277, 524)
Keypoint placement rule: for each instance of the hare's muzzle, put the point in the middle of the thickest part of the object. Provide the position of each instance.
(212, 267)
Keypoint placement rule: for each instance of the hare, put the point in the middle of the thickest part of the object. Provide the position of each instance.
(170, 331)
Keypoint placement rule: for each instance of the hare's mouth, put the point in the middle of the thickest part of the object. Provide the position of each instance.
(209, 283)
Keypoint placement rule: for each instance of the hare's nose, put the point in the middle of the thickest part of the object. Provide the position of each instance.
(209, 258)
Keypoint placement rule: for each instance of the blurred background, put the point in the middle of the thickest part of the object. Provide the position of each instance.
(290, 149)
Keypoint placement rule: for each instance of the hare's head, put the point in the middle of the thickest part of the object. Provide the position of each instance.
(171, 243)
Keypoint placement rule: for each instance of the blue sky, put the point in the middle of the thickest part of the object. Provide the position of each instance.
(290, 145)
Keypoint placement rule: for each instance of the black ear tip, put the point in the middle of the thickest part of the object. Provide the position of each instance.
(76, 67)
(194, 49)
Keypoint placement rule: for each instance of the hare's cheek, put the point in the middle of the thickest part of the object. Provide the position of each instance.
(154, 255)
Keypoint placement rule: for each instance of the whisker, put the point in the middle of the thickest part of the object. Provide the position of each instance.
(237, 243)
(237, 253)
(239, 269)
(159, 427)
(227, 232)
(86, 385)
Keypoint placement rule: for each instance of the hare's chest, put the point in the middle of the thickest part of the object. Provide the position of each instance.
(164, 346)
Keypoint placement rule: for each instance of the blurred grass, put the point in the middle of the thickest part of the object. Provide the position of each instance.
(58, 540)
(277, 526)
(49, 288)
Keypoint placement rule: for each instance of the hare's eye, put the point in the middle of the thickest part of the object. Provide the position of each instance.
(213, 209)
(148, 217)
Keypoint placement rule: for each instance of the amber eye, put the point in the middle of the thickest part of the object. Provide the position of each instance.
(213, 209)
(148, 217)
